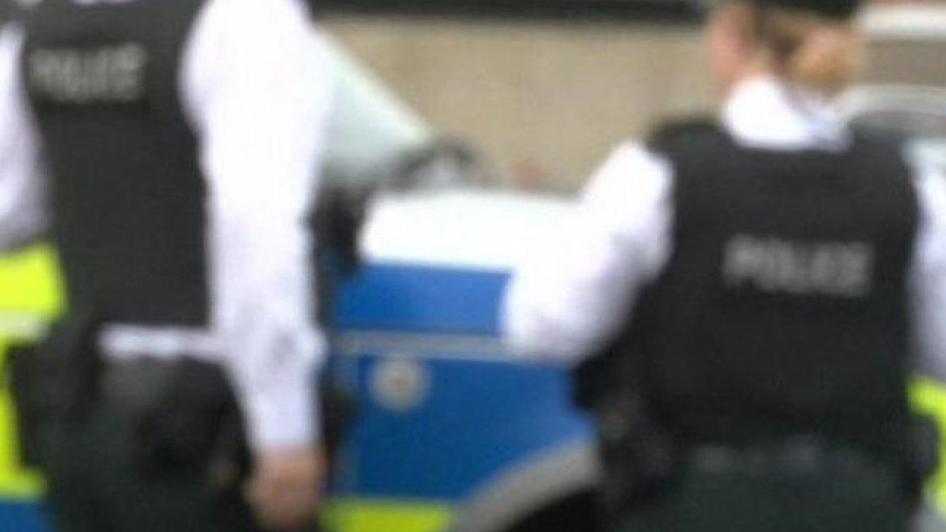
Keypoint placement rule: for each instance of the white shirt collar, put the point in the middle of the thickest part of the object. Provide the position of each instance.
(765, 113)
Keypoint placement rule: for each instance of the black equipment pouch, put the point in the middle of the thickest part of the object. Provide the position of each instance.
(189, 421)
(194, 422)
(54, 381)
(641, 458)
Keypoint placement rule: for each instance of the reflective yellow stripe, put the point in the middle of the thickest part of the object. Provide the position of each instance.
(930, 397)
(30, 296)
(29, 283)
(360, 515)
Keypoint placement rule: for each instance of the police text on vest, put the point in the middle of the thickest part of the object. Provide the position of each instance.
(778, 266)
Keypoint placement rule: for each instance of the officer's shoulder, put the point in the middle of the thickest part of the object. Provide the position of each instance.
(678, 132)
(878, 137)
(880, 146)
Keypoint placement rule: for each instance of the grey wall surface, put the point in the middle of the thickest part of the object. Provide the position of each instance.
(548, 100)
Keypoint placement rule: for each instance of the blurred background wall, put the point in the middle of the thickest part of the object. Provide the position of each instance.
(547, 99)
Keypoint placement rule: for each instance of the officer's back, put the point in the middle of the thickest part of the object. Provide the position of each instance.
(757, 284)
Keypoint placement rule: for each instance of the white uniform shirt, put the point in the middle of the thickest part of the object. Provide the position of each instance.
(256, 88)
(575, 295)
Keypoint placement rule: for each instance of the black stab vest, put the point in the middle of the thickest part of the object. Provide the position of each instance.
(127, 194)
(783, 308)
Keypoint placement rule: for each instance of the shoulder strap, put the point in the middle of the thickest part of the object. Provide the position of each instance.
(682, 132)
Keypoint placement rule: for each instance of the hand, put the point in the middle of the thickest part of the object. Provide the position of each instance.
(286, 486)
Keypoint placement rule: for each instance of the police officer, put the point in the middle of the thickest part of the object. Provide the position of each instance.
(168, 147)
(771, 274)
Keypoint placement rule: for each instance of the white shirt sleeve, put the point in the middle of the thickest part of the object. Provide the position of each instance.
(928, 276)
(574, 296)
(23, 213)
(258, 89)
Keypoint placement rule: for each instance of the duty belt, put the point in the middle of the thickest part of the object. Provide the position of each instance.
(123, 342)
(801, 455)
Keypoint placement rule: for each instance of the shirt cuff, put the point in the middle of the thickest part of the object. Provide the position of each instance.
(286, 417)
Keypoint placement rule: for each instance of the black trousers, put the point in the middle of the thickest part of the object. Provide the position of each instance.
(841, 497)
(96, 483)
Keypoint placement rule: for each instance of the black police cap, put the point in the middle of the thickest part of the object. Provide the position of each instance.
(830, 8)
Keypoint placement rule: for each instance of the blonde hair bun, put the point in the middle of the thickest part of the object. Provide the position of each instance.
(820, 53)
(828, 59)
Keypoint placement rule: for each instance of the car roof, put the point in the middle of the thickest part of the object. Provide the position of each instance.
(461, 228)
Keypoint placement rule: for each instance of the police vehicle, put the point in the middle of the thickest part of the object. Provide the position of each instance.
(451, 432)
